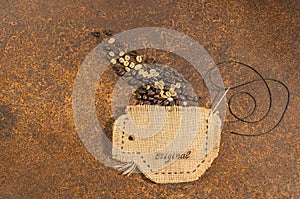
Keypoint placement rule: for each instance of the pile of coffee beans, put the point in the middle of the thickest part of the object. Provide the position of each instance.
(149, 94)
(160, 85)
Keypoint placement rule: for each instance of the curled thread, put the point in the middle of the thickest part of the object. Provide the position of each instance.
(270, 98)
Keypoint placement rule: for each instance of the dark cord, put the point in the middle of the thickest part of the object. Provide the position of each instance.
(264, 80)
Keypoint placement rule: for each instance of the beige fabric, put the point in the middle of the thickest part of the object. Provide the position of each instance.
(168, 144)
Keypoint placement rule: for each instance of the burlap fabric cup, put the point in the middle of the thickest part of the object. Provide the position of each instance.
(168, 144)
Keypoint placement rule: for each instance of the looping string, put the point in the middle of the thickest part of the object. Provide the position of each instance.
(269, 96)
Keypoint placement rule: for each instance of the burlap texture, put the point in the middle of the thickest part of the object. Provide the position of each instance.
(168, 144)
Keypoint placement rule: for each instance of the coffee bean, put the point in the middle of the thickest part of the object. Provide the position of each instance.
(157, 90)
(196, 99)
(155, 101)
(190, 98)
(167, 87)
(132, 82)
(111, 40)
(120, 71)
(147, 102)
(167, 74)
(139, 59)
(145, 97)
(150, 60)
(133, 72)
(156, 96)
(150, 93)
(184, 80)
(176, 74)
(113, 61)
(155, 79)
(165, 103)
(178, 91)
(171, 80)
(112, 54)
(181, 97)
(96, 34)
(133, 53)
(106, 48)
(144, 80)
(107, 32)
(142, 91)
(172, 103)
(144, 86)
(127, 74)
(150, 98)
(138, 77)
(138, 96)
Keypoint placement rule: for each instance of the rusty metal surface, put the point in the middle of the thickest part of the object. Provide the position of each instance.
(42, 46)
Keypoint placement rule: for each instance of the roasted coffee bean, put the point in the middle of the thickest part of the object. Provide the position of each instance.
(133, 53)
(183, 86)
(150, 93)
(107, 48)
(107, 32)
(190, 98)
(132, 82)
(185, 93)
(145, 97)
(141, 103)
(157, 90)
(165, 103)
(127, 74)
(133, 72)
(150, 60)
(96, 34)
(156, 96)
(184, 80)
(120, 71)
(157, 67)
(181, 97)
(176, 74)
(138, 76)
(138, 96)
(118, 44)
(170, 80)
(172, 103)
(144, 80)
(155, 101)
(144, 86)
(142, 91)
(147, 102)
(196, 99)
(150, 98)
(178, 91)
(167, 74)
(159, 101)
(167, 86)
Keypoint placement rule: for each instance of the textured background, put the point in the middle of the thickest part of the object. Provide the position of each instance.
(42, 45)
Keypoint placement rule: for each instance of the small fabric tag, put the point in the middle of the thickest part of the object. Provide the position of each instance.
(168, 144)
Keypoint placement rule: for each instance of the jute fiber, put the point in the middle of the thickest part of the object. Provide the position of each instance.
(168, 144)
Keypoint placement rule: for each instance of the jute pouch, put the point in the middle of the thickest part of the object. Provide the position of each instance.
(168, 144)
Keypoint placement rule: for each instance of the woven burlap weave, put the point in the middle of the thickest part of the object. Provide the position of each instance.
(168, 144)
